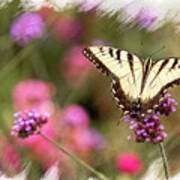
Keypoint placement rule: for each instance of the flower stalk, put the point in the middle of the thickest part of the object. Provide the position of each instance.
(29, 123)
(164, 160)
(75, 158)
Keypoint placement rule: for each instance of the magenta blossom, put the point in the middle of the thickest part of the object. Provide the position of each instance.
(86, 139)
(98, 141)
(69, 29)
(75, 115)
(147, 17)
(138, 11)
(98, 42)
(131, 11)
(90, 5)
(27, 27)
(10, 157)
(129, 163)
(75, 66)
(31, 94)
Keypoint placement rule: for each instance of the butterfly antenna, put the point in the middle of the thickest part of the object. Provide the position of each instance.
(157, 51)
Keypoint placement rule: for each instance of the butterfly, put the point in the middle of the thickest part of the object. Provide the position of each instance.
(137, 85)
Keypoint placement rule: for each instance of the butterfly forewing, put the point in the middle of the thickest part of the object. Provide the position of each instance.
(164, 73)
(124, 66)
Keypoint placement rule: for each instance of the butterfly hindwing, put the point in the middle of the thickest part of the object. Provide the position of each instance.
(120, 97)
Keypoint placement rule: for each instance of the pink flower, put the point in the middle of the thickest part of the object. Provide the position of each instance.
(47, 14)
(90, 5)
(87, 139)
(69, 29)
(10, 157)
(137, 10)
(98, 42)
(75, 66)
(129, 163)
(131, 11)
(32, 94)
(147, 17)
(27, 27)
(75, 115)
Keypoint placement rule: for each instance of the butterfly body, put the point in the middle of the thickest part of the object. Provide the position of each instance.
(137, 85)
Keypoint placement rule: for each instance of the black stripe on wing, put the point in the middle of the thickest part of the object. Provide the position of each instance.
(113, 53)
(147, 67)
(118, 54)
(131, 64)
(163, 91)
(175, 63)
(163, 65)
(99, 65)
(153, 103)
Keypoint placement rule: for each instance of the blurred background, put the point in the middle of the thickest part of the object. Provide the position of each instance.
(42, 68)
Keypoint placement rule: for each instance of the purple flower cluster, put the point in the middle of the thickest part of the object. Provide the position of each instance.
(167, 106)
(28, 123)
(147, 17)
(137, 11)
(69, 29)
(149, 128)
(27, 27)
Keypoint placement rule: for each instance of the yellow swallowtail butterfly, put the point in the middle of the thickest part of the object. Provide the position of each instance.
(137, 85)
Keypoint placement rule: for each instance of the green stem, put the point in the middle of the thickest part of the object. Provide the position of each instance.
(75, 158)
(164, 160)
(15, 61)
